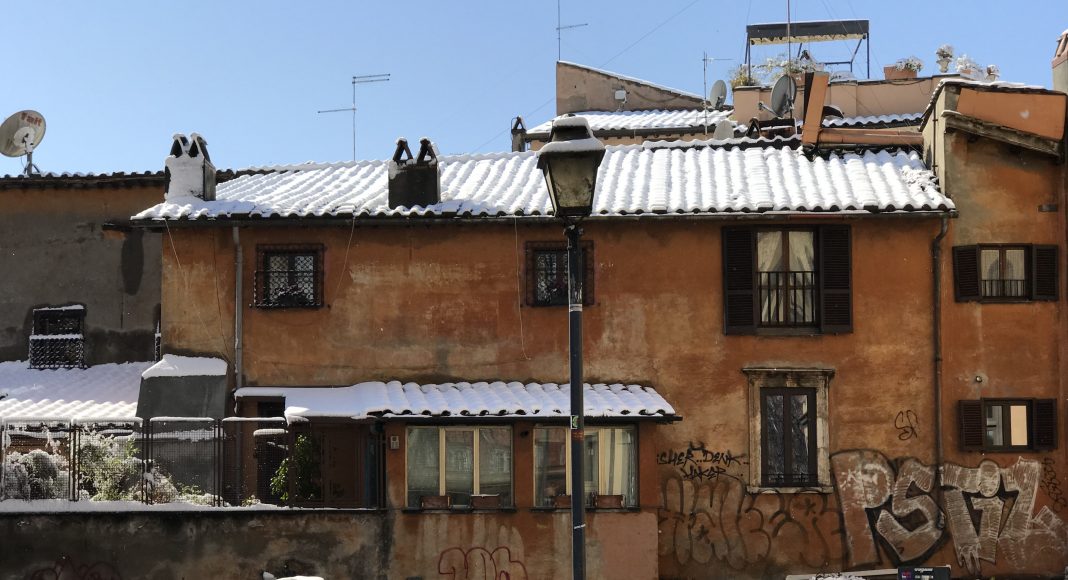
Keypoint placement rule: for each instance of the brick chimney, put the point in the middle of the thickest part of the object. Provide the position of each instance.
(414, 181)
(190, 172)
(1060, 64)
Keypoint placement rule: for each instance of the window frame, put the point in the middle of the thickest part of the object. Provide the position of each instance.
(1028, 274)
(1006, 427)
(476, 460)
(628, 503)
(1041, 264)
(533, 248)
(72, 341)
(1042, 431)
(787, 379)
(813, 457)
(261, 286)
(763, 326)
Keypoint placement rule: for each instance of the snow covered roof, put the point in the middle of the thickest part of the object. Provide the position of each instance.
(896, 119)
(684, 120)
(495, 399)
(694, 177)
(98, 392)
(171, 365)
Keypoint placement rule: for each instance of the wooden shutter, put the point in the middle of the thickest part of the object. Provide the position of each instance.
(1044, 424)
(835, 274)
(966, 273)
(739, 306)
(1044, 273)
(971, 425)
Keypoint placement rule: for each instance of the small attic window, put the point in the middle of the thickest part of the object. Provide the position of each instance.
(57, 340)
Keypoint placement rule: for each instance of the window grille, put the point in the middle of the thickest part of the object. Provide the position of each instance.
(547, 273)
(289, 277)
(57, 340)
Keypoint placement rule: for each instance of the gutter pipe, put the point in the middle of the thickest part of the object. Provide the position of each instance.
(239, 375)
(936, 326)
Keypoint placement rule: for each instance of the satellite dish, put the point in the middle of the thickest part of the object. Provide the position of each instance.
(724, 130)
(783, 95)
(718, 95)
(20, 134)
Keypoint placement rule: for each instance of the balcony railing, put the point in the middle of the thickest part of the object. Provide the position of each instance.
(787, 298)
(1005, 288)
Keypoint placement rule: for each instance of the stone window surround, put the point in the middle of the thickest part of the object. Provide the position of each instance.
(787, 377)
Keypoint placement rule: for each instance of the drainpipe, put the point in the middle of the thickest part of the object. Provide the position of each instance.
(239, 376)
(936, 325)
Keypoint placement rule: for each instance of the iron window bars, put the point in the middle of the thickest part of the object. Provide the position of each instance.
(57, 340)
(289, 276)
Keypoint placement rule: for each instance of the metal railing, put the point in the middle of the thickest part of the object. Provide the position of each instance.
(1004, 288)
(787, 298)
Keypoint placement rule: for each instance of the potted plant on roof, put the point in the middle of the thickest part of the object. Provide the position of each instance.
(992, 73)
(945, 56)
(966, 67)
(904, 68)
(739, 77)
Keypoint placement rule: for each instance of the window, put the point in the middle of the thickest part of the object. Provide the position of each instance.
(610, 464)
(1008, 424)
(1005, 273)
(547, 273)
(787, 279)
(57, 340)
(459, 462)
(289, 277)
(788, 434)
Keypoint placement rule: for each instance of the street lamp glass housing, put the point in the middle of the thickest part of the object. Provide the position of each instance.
(570, 162)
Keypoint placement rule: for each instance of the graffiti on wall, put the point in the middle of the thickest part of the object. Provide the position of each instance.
(883, 512)
(66, 569)
(697, 462)
(480, 564)
(1051, 484)
(905, 423)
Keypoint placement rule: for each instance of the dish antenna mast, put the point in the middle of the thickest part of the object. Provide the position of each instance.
(20, 134)
(560, 27)
(705, 59)
(356, 80)
(782, 97)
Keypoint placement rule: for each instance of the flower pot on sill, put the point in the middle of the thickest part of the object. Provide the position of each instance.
(486, 502)
(562, 501)
(435, 502)
(892, 73)
(608, 502)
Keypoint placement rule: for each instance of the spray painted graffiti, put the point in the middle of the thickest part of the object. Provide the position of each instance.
(480, 564)
(66, 569)
(697, 462)
(905, 423)
(1051, 484)
(987, 510)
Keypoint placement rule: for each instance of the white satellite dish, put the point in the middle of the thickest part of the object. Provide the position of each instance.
(724, 130)
(783, 95)
(718, 95)
(20, 134)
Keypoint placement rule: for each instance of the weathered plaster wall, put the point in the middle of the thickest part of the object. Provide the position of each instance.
(581, 89)
(53, 251)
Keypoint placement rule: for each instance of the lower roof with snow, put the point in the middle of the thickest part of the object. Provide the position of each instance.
(464, 400)
(694, 178)
(642, 121)
(98, 392)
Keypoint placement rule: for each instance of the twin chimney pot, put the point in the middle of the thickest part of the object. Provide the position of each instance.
(189, 170)
(413, 181)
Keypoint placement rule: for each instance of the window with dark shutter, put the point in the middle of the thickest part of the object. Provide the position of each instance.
(836, 280)
(1044, 429)
(971, 425)
(739, 311)
(546, 278)
(1005, 273)
(1008, 425)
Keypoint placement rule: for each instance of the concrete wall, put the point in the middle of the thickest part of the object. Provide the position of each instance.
(55, 251)
(330, 544)
(854, 98)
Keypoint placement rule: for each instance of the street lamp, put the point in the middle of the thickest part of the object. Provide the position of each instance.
(570, 161)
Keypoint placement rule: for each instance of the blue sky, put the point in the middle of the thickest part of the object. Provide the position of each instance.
(116, 79)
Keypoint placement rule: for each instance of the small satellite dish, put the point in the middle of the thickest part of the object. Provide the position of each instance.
(718, 95)
(20, 134)
(783, 95)
(724, 130)
(833, 111)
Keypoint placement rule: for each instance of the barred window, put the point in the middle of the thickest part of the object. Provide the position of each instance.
(547, 273)
(289, 277)
(57, 340)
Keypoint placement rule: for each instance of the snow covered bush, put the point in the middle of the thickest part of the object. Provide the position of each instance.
(909, 63)
(944, 51)
(109, 468)
(36, 474)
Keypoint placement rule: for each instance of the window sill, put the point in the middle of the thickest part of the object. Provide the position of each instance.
(757, 489)
(802, 331)
(458, 510)
(589, 509)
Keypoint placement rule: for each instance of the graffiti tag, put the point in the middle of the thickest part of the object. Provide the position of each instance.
(480, 564)
(905, 423)
(1052, 485)
(696, 462)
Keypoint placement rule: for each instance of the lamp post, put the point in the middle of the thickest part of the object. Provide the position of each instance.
(570, 161)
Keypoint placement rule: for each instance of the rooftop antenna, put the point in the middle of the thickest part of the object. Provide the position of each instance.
(782, 97)
(20, 134)
(705, 59)
(560, 27)
(380, 78)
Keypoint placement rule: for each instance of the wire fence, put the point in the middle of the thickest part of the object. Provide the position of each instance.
(195, 460)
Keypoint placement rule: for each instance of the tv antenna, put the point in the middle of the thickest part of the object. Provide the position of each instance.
(705, 59)
(560, 27)
(20, 134)
(356, 80)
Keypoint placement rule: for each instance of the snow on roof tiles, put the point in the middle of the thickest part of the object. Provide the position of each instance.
(98, 392)
(496, 399)
(707, 177)
(689, 119)
(875, 120)
(172, 365)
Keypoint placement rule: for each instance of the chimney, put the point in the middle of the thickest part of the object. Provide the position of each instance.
(414, 181)
(189, 170)
(519, 133)
(1060, 64)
